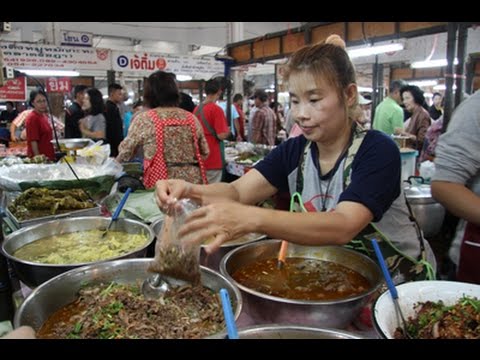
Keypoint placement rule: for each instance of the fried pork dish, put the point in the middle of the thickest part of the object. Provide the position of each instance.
(434, 320)
(119, 311)
(39, 202)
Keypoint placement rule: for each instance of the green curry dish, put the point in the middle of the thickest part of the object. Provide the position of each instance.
(81, 247)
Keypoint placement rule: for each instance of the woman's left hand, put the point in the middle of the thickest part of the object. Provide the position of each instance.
(222, 221)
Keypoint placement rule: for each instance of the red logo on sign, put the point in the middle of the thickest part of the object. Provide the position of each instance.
(161, 63)
(102, 54)
(14, 90)
(59, 85)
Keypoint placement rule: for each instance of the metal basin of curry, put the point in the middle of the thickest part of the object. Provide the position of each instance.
(267, 309)
(63, 289)
(33, 274)
(289, 331)
(213, 261)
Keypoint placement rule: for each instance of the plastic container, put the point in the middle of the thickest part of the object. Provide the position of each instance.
(409, 162)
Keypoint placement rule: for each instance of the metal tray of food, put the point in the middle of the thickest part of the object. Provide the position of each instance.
(9, 197)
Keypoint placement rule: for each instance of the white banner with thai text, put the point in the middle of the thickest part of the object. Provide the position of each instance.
(33, 56)
(198, 67)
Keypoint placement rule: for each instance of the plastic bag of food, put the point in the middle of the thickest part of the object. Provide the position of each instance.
(174, 256)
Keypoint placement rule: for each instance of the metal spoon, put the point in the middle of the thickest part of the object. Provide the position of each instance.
(117, 210)
(155, 287)
(391, 288)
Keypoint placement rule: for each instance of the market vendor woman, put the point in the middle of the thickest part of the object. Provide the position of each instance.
(349, 180)
(39, 130)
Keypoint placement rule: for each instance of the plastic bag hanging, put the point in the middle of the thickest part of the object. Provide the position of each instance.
(174, 256)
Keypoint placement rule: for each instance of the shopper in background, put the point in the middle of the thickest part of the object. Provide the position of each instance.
(39, 130)
(215, 127)
(8, 115)
(436, 110)
(238, 103)
(129, 115)
(389, 114)
(114, 128)
(417, 126)
(93, 126)
(456, 184)
(349, 180)
(173, 141)
(264, 122)
(186, 102)
(74, 113)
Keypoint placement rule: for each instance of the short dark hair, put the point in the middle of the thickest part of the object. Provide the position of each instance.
(212, 86)
(416, 92)
(261, 94)
(160, 90)
(9, 102)
(396, 85)
(237, 97)
(78, 89)
(113, 87)
(186, 102)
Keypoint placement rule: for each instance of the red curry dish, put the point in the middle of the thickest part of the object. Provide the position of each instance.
(302, 279)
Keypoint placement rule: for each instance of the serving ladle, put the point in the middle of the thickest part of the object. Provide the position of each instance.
(391, 288)
(155, 287)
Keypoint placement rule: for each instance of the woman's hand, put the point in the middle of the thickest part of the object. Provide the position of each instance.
(222, 221)
(167, 192)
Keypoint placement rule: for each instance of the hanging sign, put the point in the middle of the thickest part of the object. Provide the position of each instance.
(58, 85)
(33, 56)
(14, 90)
(74, 38)
(198, 67)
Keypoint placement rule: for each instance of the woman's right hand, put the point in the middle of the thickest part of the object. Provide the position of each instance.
(168, 192)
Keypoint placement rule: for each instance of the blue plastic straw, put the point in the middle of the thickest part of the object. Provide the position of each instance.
(228, 313)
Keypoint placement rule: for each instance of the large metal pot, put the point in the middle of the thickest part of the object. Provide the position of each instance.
(263, 308)
(213, 260)
(428, 212)
(288, 332)
(63, 289)
(33, 274)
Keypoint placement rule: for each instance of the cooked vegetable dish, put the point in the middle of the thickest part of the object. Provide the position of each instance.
(434, 320)
(80, 247)
(120, 311)
(39, 202)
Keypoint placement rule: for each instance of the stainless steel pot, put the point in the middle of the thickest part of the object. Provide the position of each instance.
(213, 261)
(288, 332)
(263, 308)
(428, 212)
(33, 274)
(63, 289)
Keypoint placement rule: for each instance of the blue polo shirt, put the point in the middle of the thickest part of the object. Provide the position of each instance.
(375, 173)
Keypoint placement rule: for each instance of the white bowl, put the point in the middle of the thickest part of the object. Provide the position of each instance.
(411, 293)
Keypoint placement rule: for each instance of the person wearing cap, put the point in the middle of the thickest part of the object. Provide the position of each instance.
(362, 112)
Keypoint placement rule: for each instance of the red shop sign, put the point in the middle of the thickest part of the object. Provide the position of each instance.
(14, 90)
(60, 85)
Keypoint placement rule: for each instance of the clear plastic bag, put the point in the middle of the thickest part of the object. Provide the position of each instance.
(177, 257)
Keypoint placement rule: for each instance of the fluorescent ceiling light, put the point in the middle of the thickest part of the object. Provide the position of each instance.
(364, 89)
(431, 63)
(373, 50)
(68, 73)
(443, 87)
(421, 83)
(183, 77)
